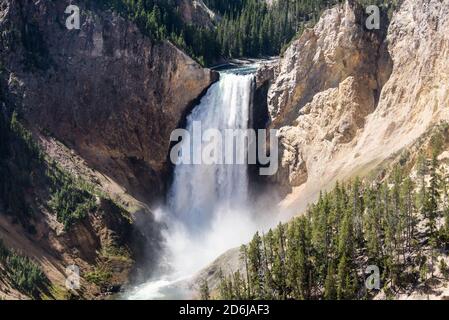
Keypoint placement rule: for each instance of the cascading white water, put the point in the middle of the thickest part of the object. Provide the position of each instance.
(200, 190)
(207, 208)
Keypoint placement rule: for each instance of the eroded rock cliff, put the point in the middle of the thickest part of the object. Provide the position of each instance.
(101, 102)
(106, 90)
(345, 98)
(196, 12)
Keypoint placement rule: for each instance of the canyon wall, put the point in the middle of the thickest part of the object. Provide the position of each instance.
(106, 90)
(346, 98)
(101, 102)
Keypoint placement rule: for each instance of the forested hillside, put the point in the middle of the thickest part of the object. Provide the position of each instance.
(161, 20)
(25, 167)
(252, 28)
(398, 221)
(259, 29)
(247, 28)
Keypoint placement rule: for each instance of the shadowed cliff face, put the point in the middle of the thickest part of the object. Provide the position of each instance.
(112, 96)
(105, 90)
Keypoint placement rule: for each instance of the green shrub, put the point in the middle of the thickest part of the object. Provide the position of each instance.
(444, 269)
(3, 251)
(70, 199)
(23, 273)
(100, 276)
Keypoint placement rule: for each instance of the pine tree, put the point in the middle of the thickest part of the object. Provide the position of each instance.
(268, 244)
(433, 196)
(408, 209)
(330, 290)
(255, 267)
(444, 269)
(444, 231)
(204, 290)
(244, 257)
(278, 269)
(343, 276)
(292, 261)
(357, 210)
(320, 235)
(240, 290)
(431, 209)
(372, 225)
(345, 249)
(355, 221)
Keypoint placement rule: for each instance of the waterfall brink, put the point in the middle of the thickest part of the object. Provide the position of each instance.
(207, 211)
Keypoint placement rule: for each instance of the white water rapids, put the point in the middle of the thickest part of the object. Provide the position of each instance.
(207, 209)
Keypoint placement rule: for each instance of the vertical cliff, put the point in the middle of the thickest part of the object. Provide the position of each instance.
(346, 98)
(106, 90)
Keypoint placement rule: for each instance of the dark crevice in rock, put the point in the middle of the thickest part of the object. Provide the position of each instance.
(260, 119)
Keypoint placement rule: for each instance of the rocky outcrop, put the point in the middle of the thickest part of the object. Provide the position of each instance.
(197, 13)
(346, 98)
(328, 81)
(106, 90)
(266, 73)
(323, 57)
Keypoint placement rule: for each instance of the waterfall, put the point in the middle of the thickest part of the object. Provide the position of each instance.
(207, 209)
(198, 191)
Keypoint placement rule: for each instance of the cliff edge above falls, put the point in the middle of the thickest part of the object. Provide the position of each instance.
(106, 90)
(345, 98)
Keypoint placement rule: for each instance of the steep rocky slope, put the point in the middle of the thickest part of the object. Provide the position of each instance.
(101, 102)
(105, 90)
(344, 98)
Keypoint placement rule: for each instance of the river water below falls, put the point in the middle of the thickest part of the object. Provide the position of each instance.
(208, 209)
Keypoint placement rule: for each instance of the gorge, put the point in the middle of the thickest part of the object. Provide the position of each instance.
(86, 177)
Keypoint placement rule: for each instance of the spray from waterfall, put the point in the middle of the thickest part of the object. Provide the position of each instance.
(208, 209)
(207, 201)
